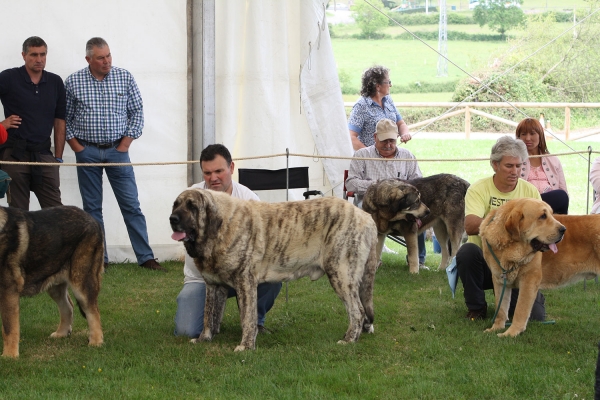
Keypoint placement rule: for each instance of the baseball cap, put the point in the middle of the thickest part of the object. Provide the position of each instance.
(386, 129)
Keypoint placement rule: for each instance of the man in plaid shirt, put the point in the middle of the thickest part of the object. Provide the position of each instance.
(104, 115)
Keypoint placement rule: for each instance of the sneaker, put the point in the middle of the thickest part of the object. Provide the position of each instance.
(388, 250)
(423, 267)
(479, 314)
(153, 265)
(262, 330)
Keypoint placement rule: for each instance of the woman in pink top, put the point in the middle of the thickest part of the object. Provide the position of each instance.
(545, 173)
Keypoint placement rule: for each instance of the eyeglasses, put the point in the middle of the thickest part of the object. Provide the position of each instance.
(388, 82)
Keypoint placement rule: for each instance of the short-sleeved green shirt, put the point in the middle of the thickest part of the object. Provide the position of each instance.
(483, 196)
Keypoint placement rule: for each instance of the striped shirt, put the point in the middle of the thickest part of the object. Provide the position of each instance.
(363, 173)
(103, 111)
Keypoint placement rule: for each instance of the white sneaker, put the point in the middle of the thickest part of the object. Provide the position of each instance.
(388, 250)
(423, 267)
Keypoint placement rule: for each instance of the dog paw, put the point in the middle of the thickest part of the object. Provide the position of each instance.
(240, 348)
(57, 334)
(342, 342)
(510, 333)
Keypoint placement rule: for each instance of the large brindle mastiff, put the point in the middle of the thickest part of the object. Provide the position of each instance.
(50, 250)
(520, 233)
(239, 244)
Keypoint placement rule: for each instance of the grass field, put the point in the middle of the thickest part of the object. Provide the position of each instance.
(422, 347)
(410, 61)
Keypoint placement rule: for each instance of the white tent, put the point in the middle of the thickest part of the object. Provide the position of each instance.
(275, 85)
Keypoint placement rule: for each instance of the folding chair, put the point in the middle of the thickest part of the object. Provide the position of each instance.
(268, 179)
(286, 178)
(398, 239)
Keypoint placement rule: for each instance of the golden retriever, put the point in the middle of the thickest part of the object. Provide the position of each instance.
(520, 234)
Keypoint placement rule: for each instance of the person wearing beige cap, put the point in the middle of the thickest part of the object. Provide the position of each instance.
(363, 173)
(373, 105)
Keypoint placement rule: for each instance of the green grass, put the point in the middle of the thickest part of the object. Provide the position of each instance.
(422, 346)
(410, 61)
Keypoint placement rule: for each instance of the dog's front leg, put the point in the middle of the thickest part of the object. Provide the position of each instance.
(246, 296)
(380, 242)
(502, 316)
(528, 288)
(412, 249)
(213, 311)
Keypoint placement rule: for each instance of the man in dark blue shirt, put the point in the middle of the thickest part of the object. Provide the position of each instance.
(34, 103)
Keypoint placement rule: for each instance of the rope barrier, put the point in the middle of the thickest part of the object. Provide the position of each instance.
(314, 156)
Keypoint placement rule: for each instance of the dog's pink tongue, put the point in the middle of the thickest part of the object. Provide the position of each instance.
(419, 223)
(553, 248)
(178, 236)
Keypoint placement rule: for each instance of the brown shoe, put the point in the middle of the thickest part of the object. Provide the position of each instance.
(153, 265)
(480, 314)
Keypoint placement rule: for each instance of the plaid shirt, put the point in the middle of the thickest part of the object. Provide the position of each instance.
(103, 111)
(363, 173)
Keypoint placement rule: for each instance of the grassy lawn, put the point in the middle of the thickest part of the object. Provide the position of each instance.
(422, 346)
(410, 61)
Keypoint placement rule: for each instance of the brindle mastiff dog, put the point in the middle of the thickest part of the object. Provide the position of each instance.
(239, 244)
(49, 250)
(408, 208)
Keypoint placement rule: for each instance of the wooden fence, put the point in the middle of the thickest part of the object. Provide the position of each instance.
(472, 108)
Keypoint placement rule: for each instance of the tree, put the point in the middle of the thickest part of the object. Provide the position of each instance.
(369, 20)
(498, 15)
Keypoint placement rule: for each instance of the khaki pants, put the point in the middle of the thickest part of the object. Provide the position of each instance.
(47, 193)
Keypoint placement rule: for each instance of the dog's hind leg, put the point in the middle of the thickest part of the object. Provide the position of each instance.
(366, 291)
(87, 300)
(441, 234)
(9, 311)
(60, 295)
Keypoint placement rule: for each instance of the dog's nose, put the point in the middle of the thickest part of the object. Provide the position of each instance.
(174, 219)
(562, 229)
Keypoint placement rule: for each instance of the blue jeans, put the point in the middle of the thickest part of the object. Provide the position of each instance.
(189, 318)
(422, 248)
(122, 181)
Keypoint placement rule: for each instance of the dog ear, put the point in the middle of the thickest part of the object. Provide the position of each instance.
(213, 218)
(513, 223)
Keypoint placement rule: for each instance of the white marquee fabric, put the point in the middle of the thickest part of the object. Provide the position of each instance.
(276, 85)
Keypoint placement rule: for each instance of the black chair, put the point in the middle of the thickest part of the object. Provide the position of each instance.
(268, 179)
(398, 239)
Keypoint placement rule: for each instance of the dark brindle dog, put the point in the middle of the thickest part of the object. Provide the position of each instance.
(398, 207)
(239, 244)
(49, 250)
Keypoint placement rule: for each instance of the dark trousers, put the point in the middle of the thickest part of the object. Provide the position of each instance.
(558, 200)
(22, 183)
(476, 277)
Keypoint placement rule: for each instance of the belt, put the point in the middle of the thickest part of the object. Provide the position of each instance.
(101, 145)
